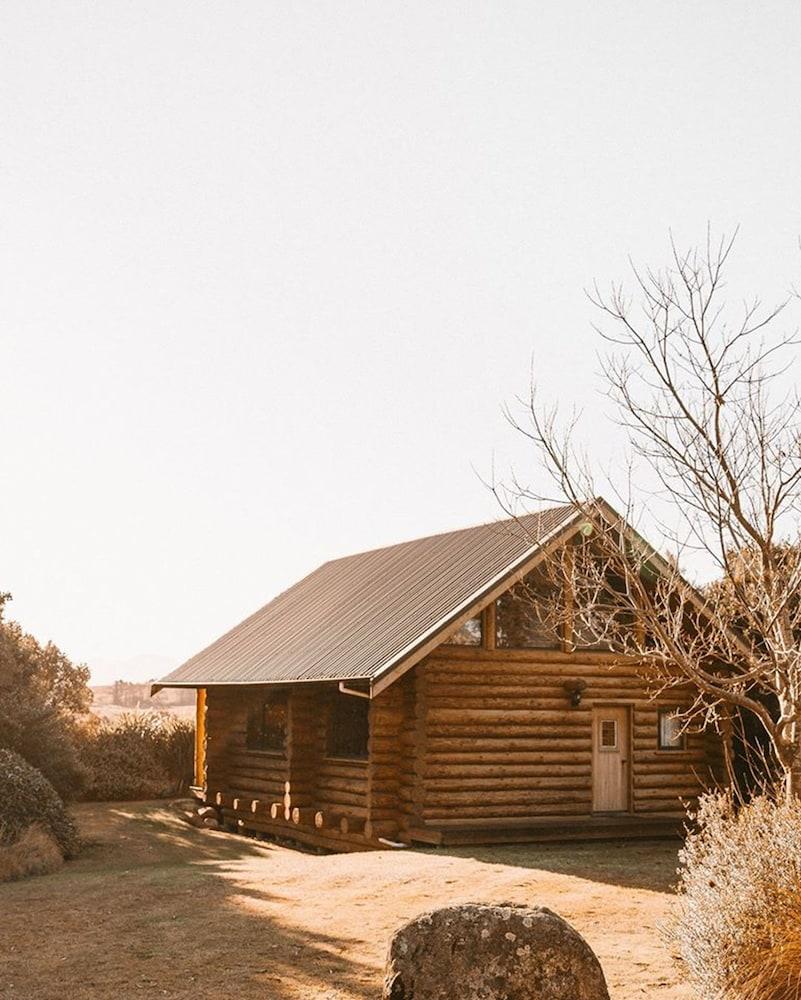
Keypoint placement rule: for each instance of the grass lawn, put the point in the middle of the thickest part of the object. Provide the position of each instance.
(156, 908)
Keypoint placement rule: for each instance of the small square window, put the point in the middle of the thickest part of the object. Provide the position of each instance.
(671, 736)
(608, 734)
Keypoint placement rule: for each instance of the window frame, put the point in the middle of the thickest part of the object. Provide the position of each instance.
(667, 712)
(260, 708)
(342, 699)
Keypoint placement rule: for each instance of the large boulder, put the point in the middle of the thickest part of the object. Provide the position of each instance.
(480, 952)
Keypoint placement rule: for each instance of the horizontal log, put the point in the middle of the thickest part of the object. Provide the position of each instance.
(477, 654)
(501, 742)
(667, 805)
(494, 786)
(373, 829)
(666, 765)
(351, 824)
(340, 800)
(506, 797)
(685, 780)
(304, 816)
(476, 701)
(516, 821)
(438, 813)
(535, 685)
(342, 769)
(689, 791)
(352, 786)
(456, 769)
(530, 730)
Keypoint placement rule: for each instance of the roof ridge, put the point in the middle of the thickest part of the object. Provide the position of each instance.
(453, 531)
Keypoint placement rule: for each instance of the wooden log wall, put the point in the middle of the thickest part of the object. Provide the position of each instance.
(496, 739)
(341, 786)
(385, 768)
(230, 767)
(302, 794)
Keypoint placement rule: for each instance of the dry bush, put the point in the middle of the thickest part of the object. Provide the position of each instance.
(138, 755)
(27, 797)
(738, 926)
(34, 852)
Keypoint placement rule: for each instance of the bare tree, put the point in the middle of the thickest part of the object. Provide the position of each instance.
(702, 404)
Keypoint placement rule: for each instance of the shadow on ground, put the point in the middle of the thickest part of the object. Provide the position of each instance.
(644, 864)
(158, 907)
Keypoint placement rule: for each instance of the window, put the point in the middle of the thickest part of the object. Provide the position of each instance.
(348, 727)
(607, 734)
(470, 634)
(671, 736)
(526, 616)
(267, 724)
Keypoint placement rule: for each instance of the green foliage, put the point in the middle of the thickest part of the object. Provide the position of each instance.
(740, 899)
(42, 693)
(139, 755)
(27, 797)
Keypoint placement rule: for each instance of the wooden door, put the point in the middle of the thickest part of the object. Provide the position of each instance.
(611, 760)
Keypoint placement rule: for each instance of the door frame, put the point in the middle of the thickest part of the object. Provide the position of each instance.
(629, 784)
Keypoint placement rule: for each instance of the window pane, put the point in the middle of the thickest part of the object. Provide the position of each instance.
(468, 635)
(525, 616)
(670, 735)
(348, 727)
(267, 724)
(608, 734)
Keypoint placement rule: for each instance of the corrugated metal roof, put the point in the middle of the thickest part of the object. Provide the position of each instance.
(356, 617)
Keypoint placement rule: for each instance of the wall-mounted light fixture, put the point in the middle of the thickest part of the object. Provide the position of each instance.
(575, 690)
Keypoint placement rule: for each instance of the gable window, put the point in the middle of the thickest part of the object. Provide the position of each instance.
(267, 723)
(470, 633)
(526, 615)
(348, 727)
(671, 736)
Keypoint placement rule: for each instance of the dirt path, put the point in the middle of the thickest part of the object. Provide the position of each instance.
(155, 908)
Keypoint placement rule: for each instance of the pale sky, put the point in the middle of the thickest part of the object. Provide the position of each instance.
(269, 270)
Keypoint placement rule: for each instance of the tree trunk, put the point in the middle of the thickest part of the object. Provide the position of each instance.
(792, 779)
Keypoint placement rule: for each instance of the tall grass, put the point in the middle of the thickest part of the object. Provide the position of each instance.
(138, 755)
(34, 852)
(738, 926)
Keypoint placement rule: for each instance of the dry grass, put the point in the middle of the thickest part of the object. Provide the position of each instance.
(773, 971)
(154, 907)
(738, 923)
(35, 852)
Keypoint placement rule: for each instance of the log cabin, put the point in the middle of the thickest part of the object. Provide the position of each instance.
(410, 695)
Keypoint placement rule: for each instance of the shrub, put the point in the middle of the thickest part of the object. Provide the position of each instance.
(738, 925)
(34, 852)
(46, 739)
(26, 798)
(41, 698)
(139, 755)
